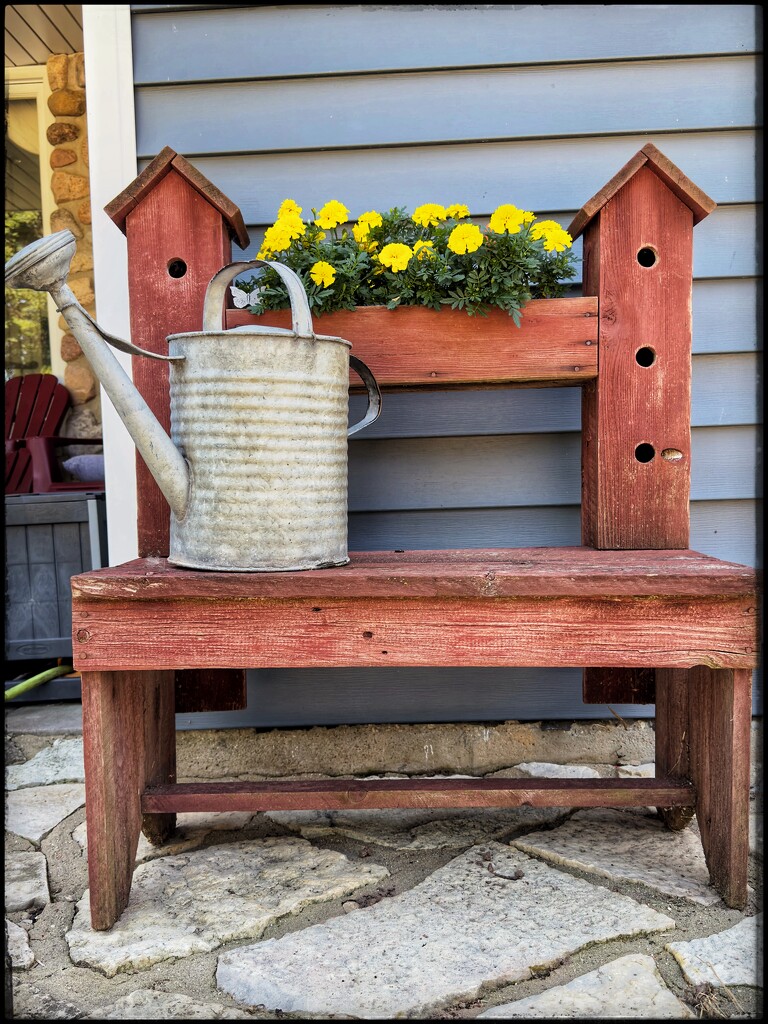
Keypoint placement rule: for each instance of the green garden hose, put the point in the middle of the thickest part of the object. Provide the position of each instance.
(33, 681)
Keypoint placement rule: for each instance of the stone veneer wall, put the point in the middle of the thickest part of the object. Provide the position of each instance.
(71, 192)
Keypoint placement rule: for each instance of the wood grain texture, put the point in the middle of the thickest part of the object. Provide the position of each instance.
(380, 631)
(719, 722)
(463, 573)
(673, 738)
(356, 794)
(556, 342)
(173, 222)
(114, 751)
(159, 747)
(628, 503)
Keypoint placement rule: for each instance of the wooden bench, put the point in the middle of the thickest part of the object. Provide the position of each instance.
(648, 618)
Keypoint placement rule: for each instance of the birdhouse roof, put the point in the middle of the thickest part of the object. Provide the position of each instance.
(165, 162)
(649, 156)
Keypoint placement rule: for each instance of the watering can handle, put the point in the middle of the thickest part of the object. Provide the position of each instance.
(217, 290)
(374, 394)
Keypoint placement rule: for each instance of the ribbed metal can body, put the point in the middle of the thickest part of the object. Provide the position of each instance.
(262, 423)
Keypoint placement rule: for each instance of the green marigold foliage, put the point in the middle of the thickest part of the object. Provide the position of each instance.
(434, 257)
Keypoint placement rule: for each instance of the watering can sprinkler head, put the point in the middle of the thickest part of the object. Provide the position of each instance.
(43, 265)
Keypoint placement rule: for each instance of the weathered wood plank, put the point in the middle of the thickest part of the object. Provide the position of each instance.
(348, 794)
(317, 632)
(116, 708)
(673, 737)
(636, 444)
(176, 243)
(159, 746)
(555, 344)
(719, 721)
(463, 573)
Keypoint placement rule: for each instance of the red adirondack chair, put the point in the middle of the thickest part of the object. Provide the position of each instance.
(35, 407)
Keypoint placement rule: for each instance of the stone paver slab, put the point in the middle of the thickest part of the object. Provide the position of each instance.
(33, 813)
(61, 762)
(485, 919)
(26, 882)
(193, 903)
(628, 987)
(147, 1004)
(732, 957)
(19, 950)
(191, 829)
(627, 847)
(417, 829)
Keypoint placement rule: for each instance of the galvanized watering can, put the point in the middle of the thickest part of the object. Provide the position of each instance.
(255, 470)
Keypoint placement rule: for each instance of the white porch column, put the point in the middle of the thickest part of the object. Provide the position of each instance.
(112, 148)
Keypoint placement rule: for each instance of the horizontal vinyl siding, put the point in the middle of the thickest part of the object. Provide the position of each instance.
(447, 106)
(536, 105)
(544, 174)
(315, 40)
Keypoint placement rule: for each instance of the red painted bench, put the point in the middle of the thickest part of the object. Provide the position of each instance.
(650, 619)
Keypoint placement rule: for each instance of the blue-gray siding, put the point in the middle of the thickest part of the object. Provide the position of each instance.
(482, 104)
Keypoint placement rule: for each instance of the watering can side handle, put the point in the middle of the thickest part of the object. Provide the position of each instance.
(374, 394)
(217, 288)
(118, 343)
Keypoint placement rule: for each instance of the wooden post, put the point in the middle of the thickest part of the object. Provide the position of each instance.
(124, 715)
(719, 722)
(179, 229)
(636, 438)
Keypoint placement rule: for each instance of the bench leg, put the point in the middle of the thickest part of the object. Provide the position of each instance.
(672, 738)
(720, 721)
(122, 727)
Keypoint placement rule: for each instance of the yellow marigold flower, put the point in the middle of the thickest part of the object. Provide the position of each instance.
(322, 274)
(263, 254)
(555, 237)
(396, 256)
(288, 206)
(465, 238)
(293, 224)
(372, 218)
(422, 249)
(332, 214)
(457, 211)
(509, 218)
(277, 238)
(429, 213)
(366, 221)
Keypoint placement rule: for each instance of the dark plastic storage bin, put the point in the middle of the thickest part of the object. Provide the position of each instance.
(48, 539)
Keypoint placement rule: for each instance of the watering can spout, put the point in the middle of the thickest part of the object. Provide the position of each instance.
(43, 266)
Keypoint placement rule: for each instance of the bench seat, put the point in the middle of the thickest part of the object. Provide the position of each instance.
(571, 606)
